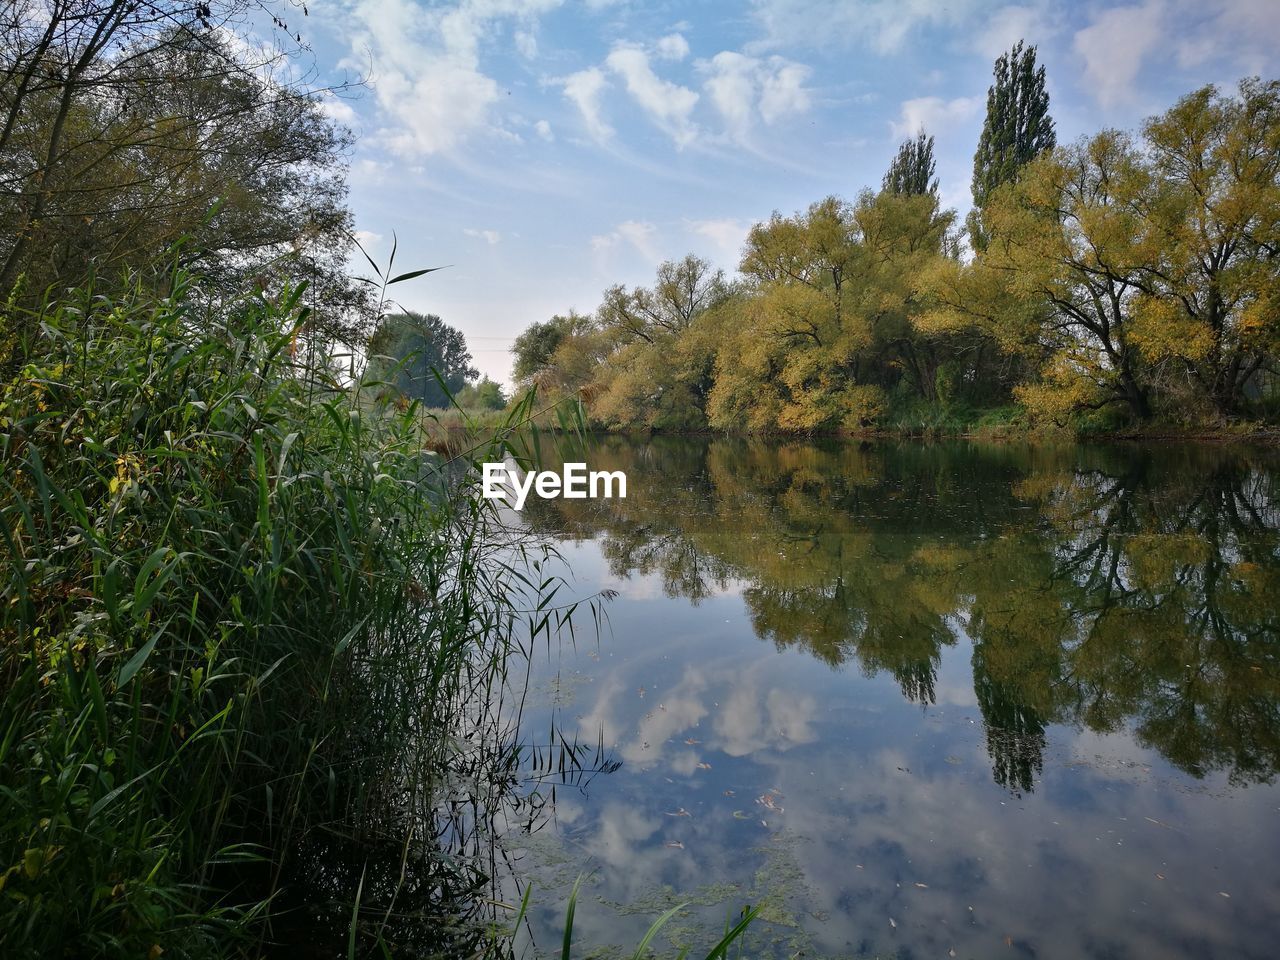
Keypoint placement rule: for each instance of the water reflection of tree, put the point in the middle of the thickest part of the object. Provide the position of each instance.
(1099, 587)
(1178, 619)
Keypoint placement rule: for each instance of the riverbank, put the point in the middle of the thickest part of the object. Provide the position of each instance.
(453, 430)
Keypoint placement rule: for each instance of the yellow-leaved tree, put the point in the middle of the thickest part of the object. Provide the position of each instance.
(1211, 291)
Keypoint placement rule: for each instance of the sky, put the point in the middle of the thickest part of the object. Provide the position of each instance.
(546, 149)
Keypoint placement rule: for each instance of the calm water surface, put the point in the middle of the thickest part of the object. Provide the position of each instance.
(916, 699)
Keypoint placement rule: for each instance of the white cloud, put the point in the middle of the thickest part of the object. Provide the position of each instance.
(1114, 45)
(543, 129)
(428, 84)
(727, 235)
(743, 87)
(669, 105)
(584, 89)
(673, 47)
(640, 234)
(491, 237)
(1248, 31)
(526, 44)
(1033, 24)
(732, 88)
(784, 91)
(934, 115)
(338, 110)
(882, 25)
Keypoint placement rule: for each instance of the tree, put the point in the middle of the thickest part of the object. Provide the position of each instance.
(1017, 129)
(128, 126)
(423, 356)
(485, 395)
(537, 345)
(1068, 255)
(1212, 283)
(912, 170)
(683, 289)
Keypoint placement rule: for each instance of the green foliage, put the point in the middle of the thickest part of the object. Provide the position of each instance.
(1017, 128)
(125, 127)
(238, 614)
(425, 358)
(484, 395)
(912, 170)
(535, 348)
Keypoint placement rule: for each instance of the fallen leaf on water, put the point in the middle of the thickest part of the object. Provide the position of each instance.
(675, 843)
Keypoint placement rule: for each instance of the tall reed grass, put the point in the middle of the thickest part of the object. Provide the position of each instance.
(238, 612)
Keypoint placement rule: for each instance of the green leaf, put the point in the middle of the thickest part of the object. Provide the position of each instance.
(414, 273)
(138, 659)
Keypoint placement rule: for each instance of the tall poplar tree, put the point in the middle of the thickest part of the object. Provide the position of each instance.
(912, 171)
(1018, 128)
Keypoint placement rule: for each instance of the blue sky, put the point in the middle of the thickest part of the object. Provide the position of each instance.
(549, 148)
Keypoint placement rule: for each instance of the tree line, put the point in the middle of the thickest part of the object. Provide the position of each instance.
(1122, 280)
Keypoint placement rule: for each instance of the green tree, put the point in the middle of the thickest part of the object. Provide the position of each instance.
(912, 170)
(485, 395)
(537, 345)
(423, 356)
(1017, 129)
(125, 127)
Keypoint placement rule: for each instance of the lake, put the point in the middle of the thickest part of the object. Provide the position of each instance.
(918, 700)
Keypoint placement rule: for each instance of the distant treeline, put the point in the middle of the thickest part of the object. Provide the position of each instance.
(1117, 282)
